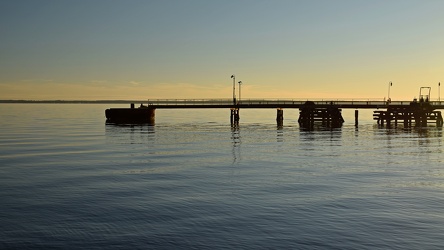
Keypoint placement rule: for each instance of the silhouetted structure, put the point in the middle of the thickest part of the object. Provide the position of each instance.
(324, 113)
(143, 114)
(234, 117)
(417, 113)
(328, 116)
(280, 117)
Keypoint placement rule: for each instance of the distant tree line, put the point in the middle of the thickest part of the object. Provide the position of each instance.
(73, 101)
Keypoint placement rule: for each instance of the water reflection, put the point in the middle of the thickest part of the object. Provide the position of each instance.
(320, 127)
(321, 131)
(235, 135)
(429, 132)
(130, 133)
(423, 132)
(236, 139)
(409, 142)
(280, 133)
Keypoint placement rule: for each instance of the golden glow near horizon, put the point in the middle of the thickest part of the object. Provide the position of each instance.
(101, 50)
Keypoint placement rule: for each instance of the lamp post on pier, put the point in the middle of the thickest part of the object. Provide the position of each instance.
(388, 96)
(439, 92)
(234, 89)
(240, 83)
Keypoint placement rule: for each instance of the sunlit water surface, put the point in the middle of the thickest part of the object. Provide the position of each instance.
(68, 180)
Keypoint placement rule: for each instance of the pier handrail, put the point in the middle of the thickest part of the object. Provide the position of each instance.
(246, 103)
(268, 101)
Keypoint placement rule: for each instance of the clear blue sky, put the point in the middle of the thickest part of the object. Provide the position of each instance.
(109, 49)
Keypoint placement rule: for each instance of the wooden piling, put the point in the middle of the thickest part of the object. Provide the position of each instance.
(234, 116)
(439, 120)
(415, 114)
(280, 117)
(328, 116)
(356, 117)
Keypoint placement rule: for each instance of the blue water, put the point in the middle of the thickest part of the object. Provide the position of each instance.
(68, 180)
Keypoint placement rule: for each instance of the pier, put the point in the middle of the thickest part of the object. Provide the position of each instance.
(325, 112)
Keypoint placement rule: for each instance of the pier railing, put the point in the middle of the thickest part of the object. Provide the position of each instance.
(245, 103)
(268, 101)
(261, 101)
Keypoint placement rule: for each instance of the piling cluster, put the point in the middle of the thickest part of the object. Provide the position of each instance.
(328, 116)
(417, 114)
(234, 116)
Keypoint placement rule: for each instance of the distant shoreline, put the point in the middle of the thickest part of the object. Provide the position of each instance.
(74, 101)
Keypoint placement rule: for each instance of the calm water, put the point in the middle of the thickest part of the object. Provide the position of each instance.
(68, 180)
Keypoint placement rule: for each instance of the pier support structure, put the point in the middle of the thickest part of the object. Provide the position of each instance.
(356, 117)
(234, 116)
(280, 117)
(330, 116)
(419, 114)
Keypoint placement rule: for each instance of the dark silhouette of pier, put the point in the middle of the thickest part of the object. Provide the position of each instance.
(327, 112)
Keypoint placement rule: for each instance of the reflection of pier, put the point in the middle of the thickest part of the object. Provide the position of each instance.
(328, 113)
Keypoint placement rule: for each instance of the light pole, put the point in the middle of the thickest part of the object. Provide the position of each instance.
(439, 92)
(388, 96)
(240, 83)
(234, 89)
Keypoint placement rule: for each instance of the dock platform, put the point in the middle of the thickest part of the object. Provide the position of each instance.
(326, 112)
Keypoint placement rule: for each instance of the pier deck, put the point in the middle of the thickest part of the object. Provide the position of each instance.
(264, 103)
(326, 111)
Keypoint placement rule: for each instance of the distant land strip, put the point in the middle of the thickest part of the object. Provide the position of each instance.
(74, 101)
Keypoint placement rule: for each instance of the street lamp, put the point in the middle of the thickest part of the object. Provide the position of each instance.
(240, 83)
(234, 89)
(388, 96)
(439, 92)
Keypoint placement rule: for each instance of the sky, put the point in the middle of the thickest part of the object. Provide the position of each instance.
(188, 49)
